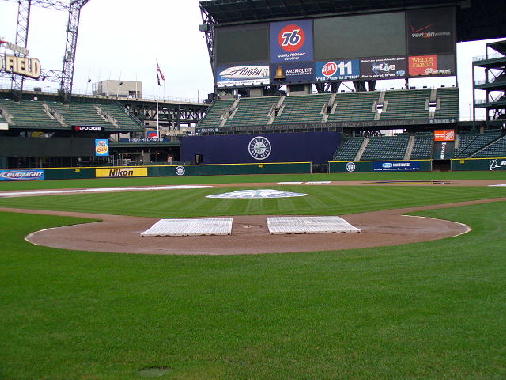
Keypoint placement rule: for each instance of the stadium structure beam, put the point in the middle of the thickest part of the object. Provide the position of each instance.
(67, 78)
(53, 4)
(207, 27)
(22, 29)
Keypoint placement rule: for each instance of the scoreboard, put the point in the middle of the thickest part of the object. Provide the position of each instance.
(404, 44)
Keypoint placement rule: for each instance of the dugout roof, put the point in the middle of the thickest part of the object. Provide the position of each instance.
(476, 19)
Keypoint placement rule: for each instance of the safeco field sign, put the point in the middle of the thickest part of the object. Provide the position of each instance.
(122, 172)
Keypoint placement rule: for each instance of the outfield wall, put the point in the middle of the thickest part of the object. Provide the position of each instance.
(155, 171)
(380, 166)
(479, 164)
(316, 147)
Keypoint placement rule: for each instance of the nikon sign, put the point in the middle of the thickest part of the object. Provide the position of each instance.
(121, 172)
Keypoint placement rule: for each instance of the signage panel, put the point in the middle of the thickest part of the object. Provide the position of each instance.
(294, 72)
(84, 128)
(291, 41)
(21, 175)
(431, 31)
(444, 135)
(337, 70)
(431, 65)
(383, 68)
(29, 67)
(4, 127)
(101, 147)
(243, 75)
(396, 166)
(121, 172)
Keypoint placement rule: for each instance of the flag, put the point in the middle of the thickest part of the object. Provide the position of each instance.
(159, 74)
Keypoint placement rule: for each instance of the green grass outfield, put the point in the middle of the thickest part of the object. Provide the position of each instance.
(425, 310)
(117, 182)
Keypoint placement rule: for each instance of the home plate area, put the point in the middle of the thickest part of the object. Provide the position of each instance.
(276, 226)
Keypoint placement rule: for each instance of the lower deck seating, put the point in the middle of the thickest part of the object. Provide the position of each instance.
(423, 146)
(470, 143)
(348, 151)
(386, 148)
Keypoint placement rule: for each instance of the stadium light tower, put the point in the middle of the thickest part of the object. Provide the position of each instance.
(23, 27)
(67, 78)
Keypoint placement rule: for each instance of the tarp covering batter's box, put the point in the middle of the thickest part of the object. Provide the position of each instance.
(310, 225)
(191, 227)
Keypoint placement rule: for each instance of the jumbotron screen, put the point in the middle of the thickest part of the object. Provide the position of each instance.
(406, 44)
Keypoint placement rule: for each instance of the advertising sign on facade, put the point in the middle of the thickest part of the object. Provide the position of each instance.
(243, 75)
(291, 41)
(101, 147)
(21, 175)
(431, 65)
(296, 72)
(338, 70)
(85, 128)
(444, 135)
(431, 31)
(4, 127)
(121, 172)
(29, 67)
(383, 68)
(397, 166)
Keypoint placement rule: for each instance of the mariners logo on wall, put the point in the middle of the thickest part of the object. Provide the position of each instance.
(180, 170)
(350, 167)
(259, 148)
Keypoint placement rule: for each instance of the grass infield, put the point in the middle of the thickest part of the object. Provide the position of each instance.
(425, 310)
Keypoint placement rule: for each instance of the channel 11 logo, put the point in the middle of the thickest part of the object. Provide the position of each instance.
(291, 38)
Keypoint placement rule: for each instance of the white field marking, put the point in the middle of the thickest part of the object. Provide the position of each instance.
(190, 227)
(468, 229)
(309, 225)
(306, 183)
(498, 185)
(256, 194)
(98, 190)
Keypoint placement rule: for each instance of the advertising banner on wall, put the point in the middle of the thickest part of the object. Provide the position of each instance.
(337, 70)
(101, 147)
(21, 175)
(293, 72)
(397, 166)
(431, 65)
(121, 172)
(4, 127)
(444, 135)
(291, 41)
(431, 31)
(383, 68)
(243, 75)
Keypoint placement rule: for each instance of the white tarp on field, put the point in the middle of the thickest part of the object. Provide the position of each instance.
(191, 227)
(309, 225)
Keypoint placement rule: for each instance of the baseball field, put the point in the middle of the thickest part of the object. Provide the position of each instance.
(431, 309)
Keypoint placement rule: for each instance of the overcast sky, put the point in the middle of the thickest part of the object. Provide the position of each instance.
(123, 39)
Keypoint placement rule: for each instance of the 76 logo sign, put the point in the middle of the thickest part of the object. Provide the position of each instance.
(291, 38)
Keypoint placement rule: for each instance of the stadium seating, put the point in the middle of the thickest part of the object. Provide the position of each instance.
(214, 114)
(252, 112)
(348, 151)
(423, 146)
(406, 104)
(52, 115)
(354, 106)
(470, 143)
(302, 109)
(335, 108)
(28, 114)
(386, 148)
(448, 103)
(496, 149)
